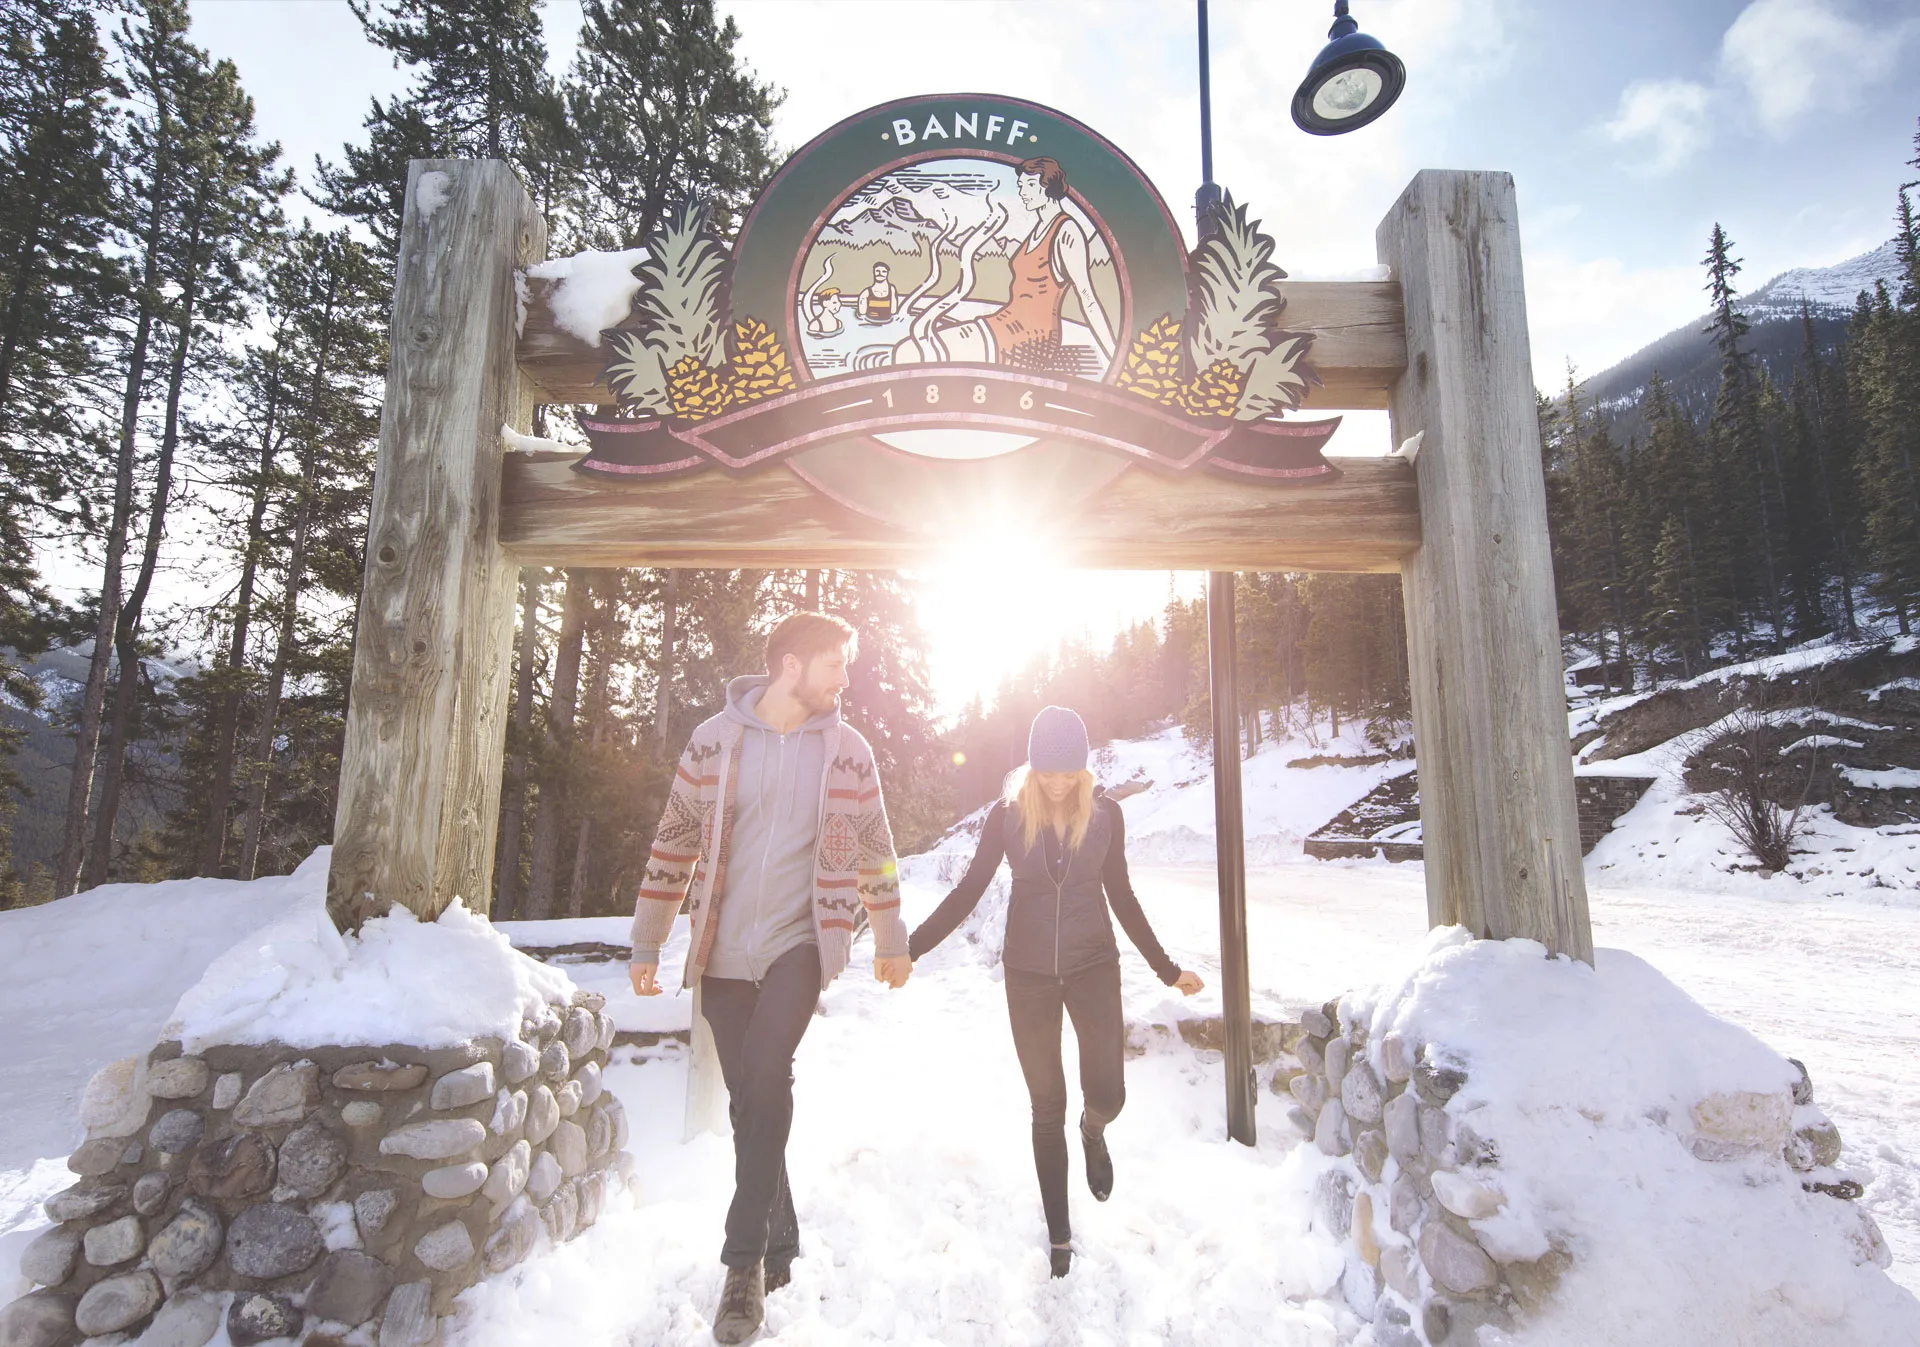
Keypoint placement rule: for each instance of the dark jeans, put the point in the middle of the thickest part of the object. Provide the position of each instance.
(756, 1028)
(1092, 999)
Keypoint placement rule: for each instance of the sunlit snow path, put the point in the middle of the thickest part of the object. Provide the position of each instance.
(910, 1164)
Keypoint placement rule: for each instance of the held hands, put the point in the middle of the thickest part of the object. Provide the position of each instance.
(1188, 982)
(643, 975)
(893, 970)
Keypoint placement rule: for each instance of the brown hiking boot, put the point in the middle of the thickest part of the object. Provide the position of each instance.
(743, 1303)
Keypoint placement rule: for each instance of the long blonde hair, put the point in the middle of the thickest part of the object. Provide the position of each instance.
(1030, 801)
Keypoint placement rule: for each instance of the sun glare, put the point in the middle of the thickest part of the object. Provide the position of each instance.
(996, 601)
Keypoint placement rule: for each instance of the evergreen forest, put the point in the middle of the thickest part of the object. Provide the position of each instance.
(190, 384)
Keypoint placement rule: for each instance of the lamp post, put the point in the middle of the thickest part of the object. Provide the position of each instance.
(1230, 853)
(1350, 83)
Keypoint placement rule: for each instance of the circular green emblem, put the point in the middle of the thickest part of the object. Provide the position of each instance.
(959, 230)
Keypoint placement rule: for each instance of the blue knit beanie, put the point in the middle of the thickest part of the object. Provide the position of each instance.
(1057, 742)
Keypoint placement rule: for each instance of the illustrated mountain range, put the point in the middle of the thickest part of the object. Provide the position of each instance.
(1687, 360)
(914, 211)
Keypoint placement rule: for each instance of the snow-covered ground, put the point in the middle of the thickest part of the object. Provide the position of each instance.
(1665, 841)
(910, 1160)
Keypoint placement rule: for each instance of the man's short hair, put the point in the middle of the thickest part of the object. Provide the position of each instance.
(806, 636)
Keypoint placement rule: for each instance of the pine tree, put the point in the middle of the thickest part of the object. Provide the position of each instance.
(1743, 450)
(226, 208)
(480, 91)
(55, 136)
(1825, 436)
(659, 110)
(1688, 584)
(1885, 357)
(154, 171)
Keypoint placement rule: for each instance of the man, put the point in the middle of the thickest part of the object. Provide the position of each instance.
(876, 302)
(775, 821)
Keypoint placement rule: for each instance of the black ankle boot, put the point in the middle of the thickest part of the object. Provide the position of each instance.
(1099, 1162)
(1062, 1260)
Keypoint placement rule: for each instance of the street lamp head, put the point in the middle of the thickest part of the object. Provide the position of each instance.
(1351, 82)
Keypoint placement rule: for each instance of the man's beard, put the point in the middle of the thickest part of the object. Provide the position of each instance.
(817, 700)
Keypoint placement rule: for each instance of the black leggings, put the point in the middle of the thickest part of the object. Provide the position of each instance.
(756, 1028)
(1034, 1002)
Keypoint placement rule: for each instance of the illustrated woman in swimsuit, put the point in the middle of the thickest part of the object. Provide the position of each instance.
(1026, 330)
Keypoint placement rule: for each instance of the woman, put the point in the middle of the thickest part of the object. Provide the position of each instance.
(1052, 259)
(1066, 843)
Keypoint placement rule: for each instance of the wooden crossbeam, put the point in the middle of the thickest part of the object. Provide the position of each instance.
(1359, 344)
(1366, 519)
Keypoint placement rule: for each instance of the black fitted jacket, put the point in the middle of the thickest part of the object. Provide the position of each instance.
(1057, 921)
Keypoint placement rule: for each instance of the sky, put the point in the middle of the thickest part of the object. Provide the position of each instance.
(1631, 127)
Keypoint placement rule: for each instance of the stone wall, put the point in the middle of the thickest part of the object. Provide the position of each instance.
(1355, 833)
(340, 1195)
(1603, 799)
(1413, 1179)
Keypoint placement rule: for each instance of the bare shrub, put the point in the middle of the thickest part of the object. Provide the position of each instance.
(1739, 766)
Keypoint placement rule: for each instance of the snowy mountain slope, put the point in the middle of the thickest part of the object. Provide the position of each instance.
(1830, 291)
(1686, 359)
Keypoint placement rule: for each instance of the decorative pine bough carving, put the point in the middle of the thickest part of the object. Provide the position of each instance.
(683, 360)
(1232, 360)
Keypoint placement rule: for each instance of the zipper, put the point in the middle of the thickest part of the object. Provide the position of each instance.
(766, 852)
(1059, 885)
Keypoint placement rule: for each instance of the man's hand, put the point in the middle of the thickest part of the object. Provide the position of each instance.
(643, 978)
(893, 970)
(1187, 983)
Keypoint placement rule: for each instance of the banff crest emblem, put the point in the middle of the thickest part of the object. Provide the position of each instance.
(938, 285)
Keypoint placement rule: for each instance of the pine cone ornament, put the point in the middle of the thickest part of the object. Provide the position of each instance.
(759, 368)
(697, 390)
(1152, 369)
(1213, 392)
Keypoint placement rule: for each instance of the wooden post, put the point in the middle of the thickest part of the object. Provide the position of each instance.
(426, 722)
(1230, 854)
(1483, 638)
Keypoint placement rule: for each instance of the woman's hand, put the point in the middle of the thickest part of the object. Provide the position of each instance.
(643, 975)
(1188, 982)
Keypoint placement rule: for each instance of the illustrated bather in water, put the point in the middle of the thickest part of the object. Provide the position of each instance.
(1025, 331)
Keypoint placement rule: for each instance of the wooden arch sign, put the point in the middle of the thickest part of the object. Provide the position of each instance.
(1054, 359)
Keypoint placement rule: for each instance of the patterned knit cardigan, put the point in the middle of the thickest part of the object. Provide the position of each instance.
(853, 863)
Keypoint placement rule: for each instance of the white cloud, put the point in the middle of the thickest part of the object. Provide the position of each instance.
(1596, 311)
(1667, 120)
(1795, 57)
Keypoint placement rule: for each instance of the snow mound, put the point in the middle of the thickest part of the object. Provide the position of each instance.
(1593, 1087)
(595, 290)
(300, 982)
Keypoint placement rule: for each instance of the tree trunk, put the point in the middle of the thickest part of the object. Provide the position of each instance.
(513, 808)
(86, 743)
(663, 679)
(73, 841)
(261, 757)
(813, 591)
(126, 690)
(544, 863)
(226, 726)
(597, 713)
